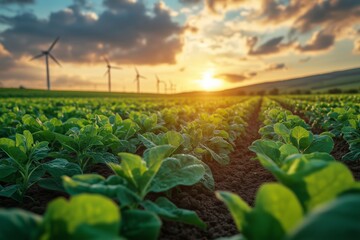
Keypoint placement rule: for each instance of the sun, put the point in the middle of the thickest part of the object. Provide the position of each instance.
(209, 82)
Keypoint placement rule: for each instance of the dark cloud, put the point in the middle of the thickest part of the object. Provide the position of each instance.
(21, 2)
(276, 66)
(236, 78)
(215, 5)
(319, 41)
(333, 18)
(125, 31)
(332, 15)
(272, 46)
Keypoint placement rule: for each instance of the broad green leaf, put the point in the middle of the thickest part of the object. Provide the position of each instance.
(139, 224)
(60, 167)
(181, 169)
(321, 143)
(238, 208)
(281, 130)
(336, 220)
(174, 138)
(9, 191)
(132, 168)
(301, 138)
(6, 170)
(318, 182)
(277, 211)
(29, 139)
(15, 153)
(167, 210)
(83, 217)
(68, 142)
(268, 149)
(19, 224)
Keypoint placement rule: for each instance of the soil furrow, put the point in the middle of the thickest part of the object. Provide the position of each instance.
(242, 176)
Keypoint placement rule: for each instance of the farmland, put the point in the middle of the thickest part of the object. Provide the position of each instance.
(122, 166)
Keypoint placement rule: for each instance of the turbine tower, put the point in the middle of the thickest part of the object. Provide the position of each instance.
(137, 79)
(157, 83)
(108, 71)
(47, 54)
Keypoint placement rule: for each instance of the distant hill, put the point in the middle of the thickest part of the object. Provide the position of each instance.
(345, 80)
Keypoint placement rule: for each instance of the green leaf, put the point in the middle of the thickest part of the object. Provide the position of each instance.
(268, 149)
(318, 182)
(277, 211)
(181, 169)
(67, 142)
(281, 130)
(169, 211)
(321, 143)
(9, 191)
(301, 138)
(132, 167)
(60, 167)
(6, 170)
(337, 220)
(238, 208)
(83, 217)
(139, 224)
(19, 224)
(15, 153)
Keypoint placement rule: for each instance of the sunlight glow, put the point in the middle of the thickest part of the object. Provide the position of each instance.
(209, 82)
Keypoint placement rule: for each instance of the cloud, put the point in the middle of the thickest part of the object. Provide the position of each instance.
(21, 2)
(126, 31)
(357, 46)
(276, 66)
(214, 5)
(6, 61)
(327, 20)
(236, 78)
(319, 41)
(272, 46)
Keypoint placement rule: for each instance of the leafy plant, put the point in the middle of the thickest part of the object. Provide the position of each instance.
(83, 217)
(136, 177)
(23, 167)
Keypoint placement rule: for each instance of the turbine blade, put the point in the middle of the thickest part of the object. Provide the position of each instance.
(37, 56)
(116, 67)
(106, 73)
(53, 44)
(140, 76)
(54, 59)
(136, 70)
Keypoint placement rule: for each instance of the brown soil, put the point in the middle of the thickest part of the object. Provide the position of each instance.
(242, 176)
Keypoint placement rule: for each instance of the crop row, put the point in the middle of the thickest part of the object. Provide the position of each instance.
(58, 155)
(341, 119)
(316, 197)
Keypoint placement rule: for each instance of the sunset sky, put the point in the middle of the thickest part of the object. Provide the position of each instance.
(196, 44)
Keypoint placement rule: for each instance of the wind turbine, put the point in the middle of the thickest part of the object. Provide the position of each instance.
(158, 82)
(48, 54)
(137, 79)
(172, 87)
(108, 71)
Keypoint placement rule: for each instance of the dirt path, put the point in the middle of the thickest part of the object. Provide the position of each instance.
(242, 176)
